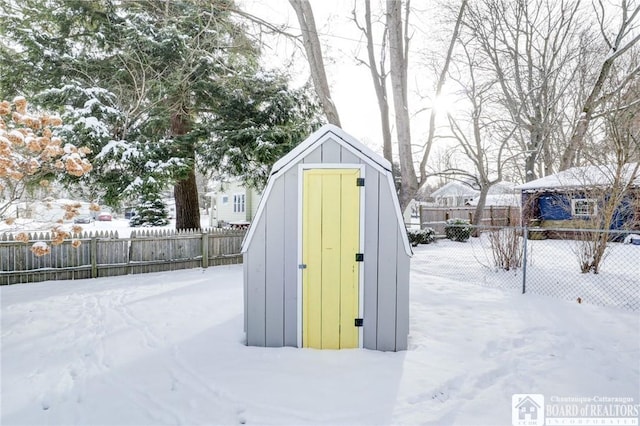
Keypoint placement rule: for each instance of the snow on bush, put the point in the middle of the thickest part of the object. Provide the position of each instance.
(421, 236)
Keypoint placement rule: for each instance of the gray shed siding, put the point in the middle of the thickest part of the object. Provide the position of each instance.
(271, 270)
(402, 299)
(290, 260)
(370, 267)
(274, 294)
(254, 262)
(387, 249)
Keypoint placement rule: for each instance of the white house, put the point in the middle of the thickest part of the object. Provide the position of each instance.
(232, 203)
(458, 194)
(454, 194)
(501, 194)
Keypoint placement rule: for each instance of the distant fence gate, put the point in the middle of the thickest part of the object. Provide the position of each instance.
(436, 217)
(104, 254)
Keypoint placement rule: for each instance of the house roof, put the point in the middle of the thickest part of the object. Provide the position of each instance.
(499, 200)
(317, 138)
(587, 176)
(502, 187)
(454, 189)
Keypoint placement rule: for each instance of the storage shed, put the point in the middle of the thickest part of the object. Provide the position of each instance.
(326, 259)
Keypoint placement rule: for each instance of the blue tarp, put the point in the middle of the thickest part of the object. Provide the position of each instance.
(558, 207)
(554, 207)
(623, 215)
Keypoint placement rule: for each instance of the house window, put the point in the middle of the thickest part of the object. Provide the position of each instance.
(238, 203)
(225, 199)
(584, 207)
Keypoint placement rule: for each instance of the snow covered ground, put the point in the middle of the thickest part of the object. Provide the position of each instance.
(167, 348)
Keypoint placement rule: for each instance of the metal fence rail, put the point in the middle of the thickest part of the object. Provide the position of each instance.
(104, 254)
(548, 266)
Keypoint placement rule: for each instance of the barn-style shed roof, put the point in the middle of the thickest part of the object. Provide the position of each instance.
(320, 136)
(329, 132)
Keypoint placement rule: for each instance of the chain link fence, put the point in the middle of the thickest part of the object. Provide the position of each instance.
(580, 265)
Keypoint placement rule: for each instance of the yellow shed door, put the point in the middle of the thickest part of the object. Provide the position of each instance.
(330, 241)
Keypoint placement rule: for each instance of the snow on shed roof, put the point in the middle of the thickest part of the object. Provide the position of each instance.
(314, 140)
(586, 176)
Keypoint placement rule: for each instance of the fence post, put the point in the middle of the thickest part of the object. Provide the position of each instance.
(205, 249)
(524, 260)
(94, 257)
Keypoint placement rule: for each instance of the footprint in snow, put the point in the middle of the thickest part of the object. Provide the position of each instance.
(242, 420)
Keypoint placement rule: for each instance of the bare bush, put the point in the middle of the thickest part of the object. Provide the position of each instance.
(506, 247)
(591, 251)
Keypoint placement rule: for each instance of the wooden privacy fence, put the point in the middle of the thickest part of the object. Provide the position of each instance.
(436, 217)
(104, 254)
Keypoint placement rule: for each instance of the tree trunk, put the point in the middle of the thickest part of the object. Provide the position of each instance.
(311, 44)
(580, 130)
(441, 80)
(379, 84)
(482, 201)
(185, 191)
(619, 46)
(398, 63)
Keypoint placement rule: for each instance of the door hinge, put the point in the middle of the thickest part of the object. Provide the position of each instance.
(359, 257)
(359, 322)
(359, 181)
(302, 266)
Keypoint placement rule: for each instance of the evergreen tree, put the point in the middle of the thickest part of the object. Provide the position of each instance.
(151, 211)
(154, 88)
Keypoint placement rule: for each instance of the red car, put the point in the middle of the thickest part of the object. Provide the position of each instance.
(105, 217)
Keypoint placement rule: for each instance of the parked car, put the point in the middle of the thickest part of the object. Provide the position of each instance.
(129, 213)
(83, 218)
(105, 217)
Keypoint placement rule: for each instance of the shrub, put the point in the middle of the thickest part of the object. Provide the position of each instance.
(507, 248)
(457, 229)
(421, 236)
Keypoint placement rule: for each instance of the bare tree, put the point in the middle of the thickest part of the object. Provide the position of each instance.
(312, 47)
(398, 28)
(398, 61)
(397, 31)
(439, 85)
(481, 137)
(611, 182)
(528, 47)
(611, 198)
(379, 74)
(625, 38)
